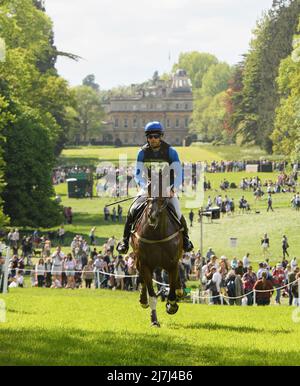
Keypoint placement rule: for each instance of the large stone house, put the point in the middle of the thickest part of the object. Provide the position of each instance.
(170, 102)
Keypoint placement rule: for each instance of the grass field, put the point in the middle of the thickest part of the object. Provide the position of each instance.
(100, 327)
(91, 155)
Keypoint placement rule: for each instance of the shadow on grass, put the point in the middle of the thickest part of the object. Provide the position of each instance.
(224, 327)
(67, 346)
(86, 219)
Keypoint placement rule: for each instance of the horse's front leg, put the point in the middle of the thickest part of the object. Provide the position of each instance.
(143, 295)
(152, 296)
(172, 306)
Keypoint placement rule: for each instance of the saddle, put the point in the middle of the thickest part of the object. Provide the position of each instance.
(139, 209)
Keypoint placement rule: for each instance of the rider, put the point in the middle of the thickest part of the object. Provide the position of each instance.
(156, 150)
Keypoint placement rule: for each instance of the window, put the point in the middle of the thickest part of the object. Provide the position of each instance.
(186, 121)
(125, 122)
(177, 122)
(116, 122)
(177, 106)
(168, 123)
(135, 123)
(186, 106)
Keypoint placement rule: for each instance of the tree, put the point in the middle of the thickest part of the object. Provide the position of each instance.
(34, 102)
(90, 112)
(286, 134)
(90, 81)
(216, 79)
(196, 65)
(272, 43)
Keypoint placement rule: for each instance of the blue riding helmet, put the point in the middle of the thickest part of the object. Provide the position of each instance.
(154, 127)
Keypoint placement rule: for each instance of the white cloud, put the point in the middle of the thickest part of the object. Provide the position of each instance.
(124, 42)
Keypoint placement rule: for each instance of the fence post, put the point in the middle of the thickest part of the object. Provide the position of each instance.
(254, 297)
(98, 278)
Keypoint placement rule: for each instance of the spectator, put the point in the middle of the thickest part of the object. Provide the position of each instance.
(266, 286)
(40, 272)
(209, 253)
(120, 272)
(291, 281)
(186, 261)
(278, 280)
(230, 286)
(111, 244)
(69, 266)
(57, 265)
(120, 211)
(294, 263)
(61, 235)
(239, 270)
(234, 263)
(295, 290)
(265, 243)
(285, 246)
(270, 203)
(48, 268)
(88, 274)
(249, 279)
(216, 280)
(246, 261)
(92, 236)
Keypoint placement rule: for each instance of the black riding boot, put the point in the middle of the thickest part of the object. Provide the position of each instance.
(123, 245)
(187, 244)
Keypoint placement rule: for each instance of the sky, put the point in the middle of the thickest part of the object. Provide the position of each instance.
(123, 42)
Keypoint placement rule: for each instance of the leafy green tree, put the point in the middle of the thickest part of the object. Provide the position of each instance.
(90, 112)
(286, 135)
(196, 65)
(34, 107)
(272, 43)
(216, 79)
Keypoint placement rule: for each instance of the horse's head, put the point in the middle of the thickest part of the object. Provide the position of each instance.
(156, 206)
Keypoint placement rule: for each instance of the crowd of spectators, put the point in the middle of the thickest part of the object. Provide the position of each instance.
(236, 280)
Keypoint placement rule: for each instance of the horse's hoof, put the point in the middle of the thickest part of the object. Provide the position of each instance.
(155, 324)
(172, 308)
(144, 305)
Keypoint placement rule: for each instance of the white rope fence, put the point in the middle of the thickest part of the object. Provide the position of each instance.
(99, 272)
(222, 296)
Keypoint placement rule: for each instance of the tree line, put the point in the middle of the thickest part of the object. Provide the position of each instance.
(257, 100)
(38, 113)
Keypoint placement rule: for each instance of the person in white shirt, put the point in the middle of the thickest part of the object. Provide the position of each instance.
(246, 261)
(216, 279)
(294, 263)
(57, 266)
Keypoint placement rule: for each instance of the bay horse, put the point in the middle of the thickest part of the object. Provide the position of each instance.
(157, 243)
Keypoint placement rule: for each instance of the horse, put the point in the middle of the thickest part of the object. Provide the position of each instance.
(157, 242)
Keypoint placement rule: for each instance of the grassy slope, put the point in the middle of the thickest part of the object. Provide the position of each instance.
(247, 228)
(88, 327)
